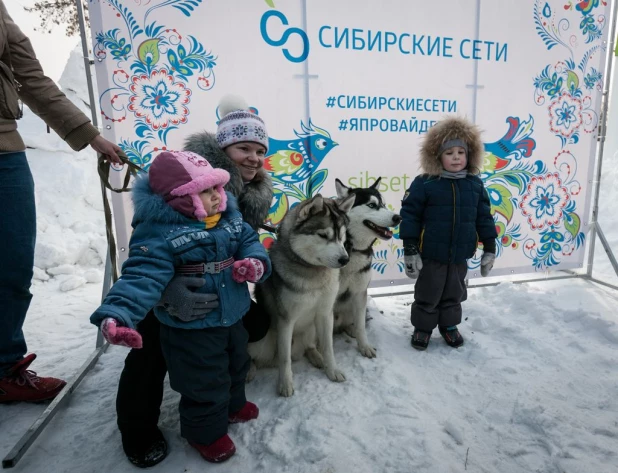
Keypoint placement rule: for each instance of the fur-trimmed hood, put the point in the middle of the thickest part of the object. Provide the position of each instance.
(151, 207)
(255, 197)
(452, 128)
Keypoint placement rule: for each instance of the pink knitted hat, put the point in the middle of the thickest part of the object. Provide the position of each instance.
(180, 176)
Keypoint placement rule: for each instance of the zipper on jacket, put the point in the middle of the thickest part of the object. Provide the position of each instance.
(450, 257)
(420, 246)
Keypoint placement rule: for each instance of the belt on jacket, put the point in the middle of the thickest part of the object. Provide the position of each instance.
(202, 268)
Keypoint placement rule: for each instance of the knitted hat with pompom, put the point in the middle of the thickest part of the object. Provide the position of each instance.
(239, 124)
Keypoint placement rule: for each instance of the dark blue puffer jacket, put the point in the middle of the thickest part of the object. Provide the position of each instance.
(164, 238)
(447, 218)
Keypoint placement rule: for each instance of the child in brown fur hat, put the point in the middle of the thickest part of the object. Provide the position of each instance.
(446, 212)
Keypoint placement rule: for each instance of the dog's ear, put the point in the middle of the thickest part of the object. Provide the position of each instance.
(346, 204)
(342, 189)
(311, 207)
(376, 184)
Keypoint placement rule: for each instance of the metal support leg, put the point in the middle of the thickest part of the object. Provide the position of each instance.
(107, 283)
(35, 430)
(607, 248)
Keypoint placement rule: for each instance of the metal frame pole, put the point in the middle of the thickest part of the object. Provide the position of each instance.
(602, 129)
(95, 122)
(476, 286)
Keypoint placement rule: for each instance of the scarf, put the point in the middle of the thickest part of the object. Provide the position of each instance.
(211, 221)
(454, 175)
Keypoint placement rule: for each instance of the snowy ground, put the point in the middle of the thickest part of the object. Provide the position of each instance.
(533, 390)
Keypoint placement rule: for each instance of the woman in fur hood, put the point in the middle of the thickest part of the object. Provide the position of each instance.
(445, 213)
(239, 147)
(254, 194)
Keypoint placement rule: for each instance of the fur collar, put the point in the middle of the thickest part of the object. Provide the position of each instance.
(448, 129)
(255, 197)
(151, 207)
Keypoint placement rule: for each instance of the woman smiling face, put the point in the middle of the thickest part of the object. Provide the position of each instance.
(248, 156)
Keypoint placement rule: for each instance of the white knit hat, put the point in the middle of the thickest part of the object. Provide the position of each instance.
(239, 124)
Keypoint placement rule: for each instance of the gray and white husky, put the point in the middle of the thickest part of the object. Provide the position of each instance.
(300, 294)
(369, 220)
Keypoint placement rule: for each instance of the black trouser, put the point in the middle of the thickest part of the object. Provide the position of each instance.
(208, 368)
(140, 390)
(438, 293)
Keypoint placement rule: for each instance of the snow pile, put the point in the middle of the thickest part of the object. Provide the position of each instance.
(71, 244)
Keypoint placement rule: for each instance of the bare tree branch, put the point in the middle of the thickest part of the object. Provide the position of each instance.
(54, 13)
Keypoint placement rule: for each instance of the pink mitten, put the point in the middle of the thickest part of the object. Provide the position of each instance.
(118, 335)
(248, 269)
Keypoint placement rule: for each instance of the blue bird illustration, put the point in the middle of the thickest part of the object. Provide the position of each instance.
(293, 161)
(516, 143)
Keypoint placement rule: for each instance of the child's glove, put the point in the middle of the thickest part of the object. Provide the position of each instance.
(487, 262)
(248, 269)
(181, 302)
(118, 335)
(412, 260)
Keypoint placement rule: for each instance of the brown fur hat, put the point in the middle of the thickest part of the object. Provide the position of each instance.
(452, 128)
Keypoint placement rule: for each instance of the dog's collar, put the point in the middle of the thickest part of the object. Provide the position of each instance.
(298, 260)
(349, 246)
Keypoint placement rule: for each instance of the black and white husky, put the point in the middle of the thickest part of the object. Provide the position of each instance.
(300, 294)
(369, 220)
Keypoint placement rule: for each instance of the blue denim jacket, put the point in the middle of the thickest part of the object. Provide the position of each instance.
(163, 239)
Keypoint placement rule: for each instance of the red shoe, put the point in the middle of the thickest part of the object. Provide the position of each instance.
(21, 384)
(248, 412)
(218, 451)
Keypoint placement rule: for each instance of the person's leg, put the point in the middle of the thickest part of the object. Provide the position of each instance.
(455, 292)
(427, 294)
(140, 390)
(198, 364)
(18, 235)
(140, 393)
(256, 322)
(239, 367)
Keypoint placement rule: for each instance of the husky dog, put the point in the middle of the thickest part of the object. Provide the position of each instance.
(369, 220)
(301, 292)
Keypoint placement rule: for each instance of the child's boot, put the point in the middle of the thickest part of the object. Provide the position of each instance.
(420, 339)
(452, 336)
(218, 451)
(248, 412)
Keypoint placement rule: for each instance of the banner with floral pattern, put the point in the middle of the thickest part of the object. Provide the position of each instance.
(348, 91)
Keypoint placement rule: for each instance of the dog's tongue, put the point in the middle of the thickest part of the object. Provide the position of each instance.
(385, 231)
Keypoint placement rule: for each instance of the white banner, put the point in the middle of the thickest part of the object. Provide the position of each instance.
(348, 89)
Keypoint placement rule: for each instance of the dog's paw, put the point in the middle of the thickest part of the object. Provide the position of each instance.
(251, 373)
(286, 387)
(315, 358)
(349, 330)
(335, 375)
(368, 351)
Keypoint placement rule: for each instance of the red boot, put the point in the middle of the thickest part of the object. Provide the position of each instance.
(218, 451)
(21, 384)
(248, 412)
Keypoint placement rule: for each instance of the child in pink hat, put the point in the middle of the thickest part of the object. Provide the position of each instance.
(185, 223)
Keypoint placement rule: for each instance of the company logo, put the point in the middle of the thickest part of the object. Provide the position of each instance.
(286, 35)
